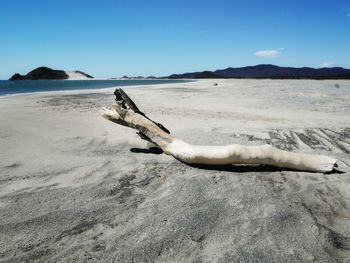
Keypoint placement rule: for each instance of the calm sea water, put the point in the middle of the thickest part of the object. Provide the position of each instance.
(28, 86)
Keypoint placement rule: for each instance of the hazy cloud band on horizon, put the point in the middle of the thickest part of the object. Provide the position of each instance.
(327, 64)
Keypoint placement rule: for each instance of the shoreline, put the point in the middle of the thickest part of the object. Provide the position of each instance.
(92, 90)
(183, 81)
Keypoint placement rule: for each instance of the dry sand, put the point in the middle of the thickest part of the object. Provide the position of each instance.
(75, 187)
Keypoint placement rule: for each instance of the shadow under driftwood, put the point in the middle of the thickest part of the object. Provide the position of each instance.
(249, 168)
(151, 150)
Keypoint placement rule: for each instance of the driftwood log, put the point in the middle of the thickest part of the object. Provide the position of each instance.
(126, 113)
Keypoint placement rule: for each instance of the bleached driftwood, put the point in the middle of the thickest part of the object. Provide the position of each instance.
(126, 113)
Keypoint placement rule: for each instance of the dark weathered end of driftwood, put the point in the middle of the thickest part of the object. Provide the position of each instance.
(126, 102)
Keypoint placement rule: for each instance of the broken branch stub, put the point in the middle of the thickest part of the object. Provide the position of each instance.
(126, 113)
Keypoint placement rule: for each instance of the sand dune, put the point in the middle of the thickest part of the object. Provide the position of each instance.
(76, 75)
(75, 187)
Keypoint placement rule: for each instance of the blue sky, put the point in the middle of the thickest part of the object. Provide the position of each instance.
(110, 38)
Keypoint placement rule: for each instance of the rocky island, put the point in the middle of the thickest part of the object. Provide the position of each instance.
(42, 73)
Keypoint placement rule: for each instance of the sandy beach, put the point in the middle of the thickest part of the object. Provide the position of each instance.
(75, 187)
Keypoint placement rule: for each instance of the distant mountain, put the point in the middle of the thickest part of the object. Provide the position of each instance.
(136, 77)
(269, 71)
(51, 74)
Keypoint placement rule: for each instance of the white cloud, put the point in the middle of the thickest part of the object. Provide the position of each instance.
(268, 53)
(327, 64)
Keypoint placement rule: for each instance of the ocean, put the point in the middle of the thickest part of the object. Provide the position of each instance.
(29, 86)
